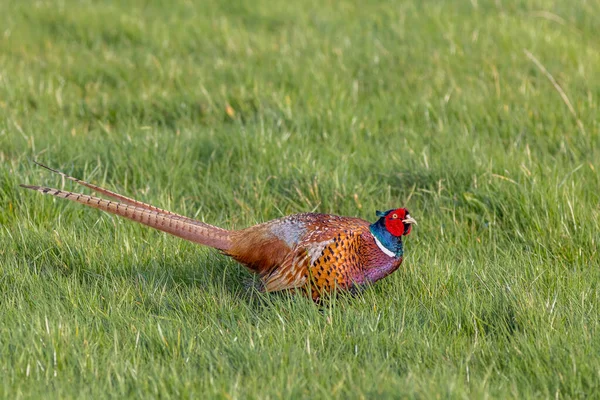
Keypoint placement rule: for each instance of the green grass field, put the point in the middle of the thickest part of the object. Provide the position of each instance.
(481, 117)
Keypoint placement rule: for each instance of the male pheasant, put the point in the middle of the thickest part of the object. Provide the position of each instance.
(316, 253)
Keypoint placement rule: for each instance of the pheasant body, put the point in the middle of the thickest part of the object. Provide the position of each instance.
(318, 253)
(321, 251)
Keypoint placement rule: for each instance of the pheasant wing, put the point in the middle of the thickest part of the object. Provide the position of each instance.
(326, 257)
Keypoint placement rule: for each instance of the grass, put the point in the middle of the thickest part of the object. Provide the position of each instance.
(239, 112)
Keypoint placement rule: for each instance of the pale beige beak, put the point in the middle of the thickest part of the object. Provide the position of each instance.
(410, 220)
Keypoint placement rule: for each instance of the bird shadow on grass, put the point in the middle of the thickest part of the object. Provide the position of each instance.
(220, 282)
(57, 258)
(213, 280)
(155, 280)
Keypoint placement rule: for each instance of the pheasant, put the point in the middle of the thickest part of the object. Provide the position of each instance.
(311, 252)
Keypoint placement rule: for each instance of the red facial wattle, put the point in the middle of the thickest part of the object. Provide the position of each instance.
(394, 224)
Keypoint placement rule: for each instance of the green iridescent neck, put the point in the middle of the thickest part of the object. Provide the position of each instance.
(391, 243)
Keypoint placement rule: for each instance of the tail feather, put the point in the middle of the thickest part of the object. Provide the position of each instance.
(121, 198)
(148, 215)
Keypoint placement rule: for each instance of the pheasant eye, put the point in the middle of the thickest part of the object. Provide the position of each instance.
(395, 216)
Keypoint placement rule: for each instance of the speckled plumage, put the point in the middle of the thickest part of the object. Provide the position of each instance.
(316, 253)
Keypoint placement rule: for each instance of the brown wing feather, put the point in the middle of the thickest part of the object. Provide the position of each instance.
(284, 251)
(292, 273)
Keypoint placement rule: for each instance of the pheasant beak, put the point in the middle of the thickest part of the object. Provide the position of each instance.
(409, 220)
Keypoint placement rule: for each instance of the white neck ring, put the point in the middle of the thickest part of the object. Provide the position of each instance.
(385, 250)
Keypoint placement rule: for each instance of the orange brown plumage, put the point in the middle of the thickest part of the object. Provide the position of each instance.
(319, 253)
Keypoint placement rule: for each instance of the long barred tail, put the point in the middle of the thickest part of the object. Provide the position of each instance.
(117, 196)
(178, 225)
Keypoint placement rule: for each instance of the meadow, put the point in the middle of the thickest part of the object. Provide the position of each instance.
(481, 117)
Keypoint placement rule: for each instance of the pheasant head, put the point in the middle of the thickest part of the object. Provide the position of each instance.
(389, 229)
